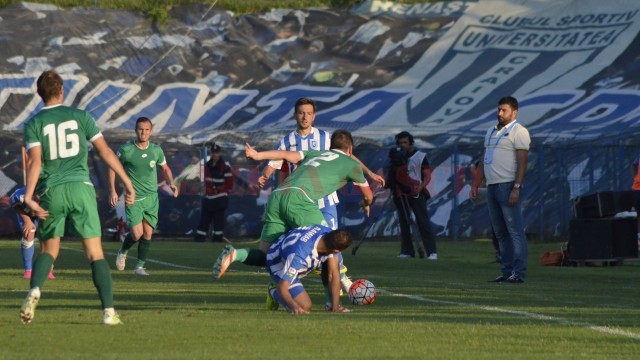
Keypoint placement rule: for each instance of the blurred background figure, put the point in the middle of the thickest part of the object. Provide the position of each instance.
(218, 183)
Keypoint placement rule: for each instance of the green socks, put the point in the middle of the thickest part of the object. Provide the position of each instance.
(127, 244)
(144, 246)
(254, 257)
(101, 274)
(40, 271)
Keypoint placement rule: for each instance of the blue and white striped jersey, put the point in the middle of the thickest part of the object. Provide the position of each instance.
(17, 198)
(316, 140)
(295, 253)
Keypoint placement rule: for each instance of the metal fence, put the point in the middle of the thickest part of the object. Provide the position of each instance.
(555, 176)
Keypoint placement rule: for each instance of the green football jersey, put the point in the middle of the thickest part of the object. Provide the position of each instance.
(322, 172)
(140, 165)
(62, 132)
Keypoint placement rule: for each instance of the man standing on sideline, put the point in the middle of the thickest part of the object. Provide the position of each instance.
(140, 159)
(56, 141)
(419, 170)
(306, 137)
(504, 165)
(218, 183)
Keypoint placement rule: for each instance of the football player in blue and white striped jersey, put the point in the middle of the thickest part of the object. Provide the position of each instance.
(297, 253)
(305, 138)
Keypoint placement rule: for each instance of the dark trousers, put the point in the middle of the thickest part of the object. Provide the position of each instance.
(405, 204)
(212, 212)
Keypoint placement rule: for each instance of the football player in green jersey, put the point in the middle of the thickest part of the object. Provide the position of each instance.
(293, 203)
(140, 159)
(56, 141)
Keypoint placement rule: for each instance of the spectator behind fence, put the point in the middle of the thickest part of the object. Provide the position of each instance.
(408, 177)
(504, 165)
(218, 183)
(636, 188)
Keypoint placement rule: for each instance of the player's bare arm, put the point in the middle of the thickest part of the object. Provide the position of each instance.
(292, 305)
(375, 177)
(266, 174)
(290, 156)
(113, 193)
(112, 160)
(367, 197)
(168, 176)
(34, 165)
(334, 283)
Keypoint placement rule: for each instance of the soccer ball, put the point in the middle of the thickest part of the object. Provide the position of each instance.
(362, 292)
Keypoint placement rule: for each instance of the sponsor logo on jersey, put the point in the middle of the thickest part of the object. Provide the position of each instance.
(144, 156)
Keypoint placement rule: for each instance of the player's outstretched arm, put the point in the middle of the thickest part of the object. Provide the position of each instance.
(290, 156)
(375, 177)
(112, 160)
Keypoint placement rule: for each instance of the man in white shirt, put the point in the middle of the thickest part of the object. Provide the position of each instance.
(504, 165)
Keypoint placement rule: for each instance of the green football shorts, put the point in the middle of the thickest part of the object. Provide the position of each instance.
(288, 209)
(145, 208)
(74, 203)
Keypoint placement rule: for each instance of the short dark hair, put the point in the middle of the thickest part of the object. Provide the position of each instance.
(304, 101)
(402, 135)
(509, 100)
(341, 140)
(143, 119)
(337, 240)
(49, 85)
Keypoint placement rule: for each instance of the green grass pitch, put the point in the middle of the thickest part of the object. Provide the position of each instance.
(445, 309)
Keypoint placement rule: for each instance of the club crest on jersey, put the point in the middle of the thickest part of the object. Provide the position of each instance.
(152, 163)
(292, 273)
(314, 144)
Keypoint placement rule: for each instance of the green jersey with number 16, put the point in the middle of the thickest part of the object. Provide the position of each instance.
(322, 172)
(62, 132)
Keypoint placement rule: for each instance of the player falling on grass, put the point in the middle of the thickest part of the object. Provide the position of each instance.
(56, 141)
(29, 227)
(295, 254)
(140, 158)
(293, 203)
(306, 137)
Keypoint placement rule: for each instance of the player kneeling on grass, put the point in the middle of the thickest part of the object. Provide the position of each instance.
(294, 255)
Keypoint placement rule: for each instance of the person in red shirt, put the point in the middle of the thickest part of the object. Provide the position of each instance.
(218, 183)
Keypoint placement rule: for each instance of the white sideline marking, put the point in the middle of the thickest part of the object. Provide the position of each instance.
(148, 260)
(602, 329)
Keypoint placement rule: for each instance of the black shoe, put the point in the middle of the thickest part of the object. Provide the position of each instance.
(515, 279)
(500, 279)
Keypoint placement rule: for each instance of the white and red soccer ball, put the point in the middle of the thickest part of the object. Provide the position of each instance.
(362, 292)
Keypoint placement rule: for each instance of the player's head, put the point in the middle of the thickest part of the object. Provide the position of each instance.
(337, 240)
(405, 140)
(305, 113)
(144, 129)
(49, 85)
(507, 110)
(342, 140)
